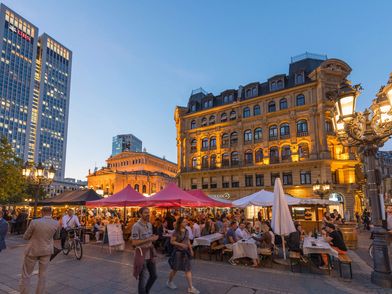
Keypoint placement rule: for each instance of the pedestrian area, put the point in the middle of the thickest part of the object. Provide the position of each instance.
(102, 272)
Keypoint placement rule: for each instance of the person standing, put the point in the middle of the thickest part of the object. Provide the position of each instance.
(69, 221)
(143, 238)
(180, 259)
(3, 230)
(39, 249)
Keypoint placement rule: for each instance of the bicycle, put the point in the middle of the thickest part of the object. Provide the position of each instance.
(73, 242)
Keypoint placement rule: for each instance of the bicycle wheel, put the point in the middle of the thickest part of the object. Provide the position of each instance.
(371, 250)
(78, 249)
(67, 248)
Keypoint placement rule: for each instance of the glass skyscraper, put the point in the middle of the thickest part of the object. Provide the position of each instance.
(35, 76)
(127, 142)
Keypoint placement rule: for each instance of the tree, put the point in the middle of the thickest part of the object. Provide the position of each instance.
(12, 182)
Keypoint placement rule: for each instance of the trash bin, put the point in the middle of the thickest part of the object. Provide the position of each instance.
(349, 232)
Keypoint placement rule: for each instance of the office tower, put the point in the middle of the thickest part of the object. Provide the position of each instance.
(127, 142)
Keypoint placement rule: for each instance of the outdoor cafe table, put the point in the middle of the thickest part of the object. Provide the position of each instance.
(322, 247)
(207, 239)
(245, 248)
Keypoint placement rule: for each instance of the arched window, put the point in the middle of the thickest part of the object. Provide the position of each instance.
(223, 117)
(258, 134)
(136, 187)
(193, 145)
(279, 84)
(271, 106)
(273, 132)
(302, 128)
(235, 158)
(204, 144)
(213, 142)
(248, 157)
(246, 112)
(286, 153)
(233, 115)
(248, 136)
(300, 100)
(225, 159)
(303, 151)
(213, 161)
(204, 161)
(225, 140)
(233, 138)
(212, 120)
(274, 155)
(193, 107)
(144, 189)
(194, 162)
(284, 130)
(299, 78)
(256, 110)
(193, 124)
(259, 155)
(283, 104)
(203, 122)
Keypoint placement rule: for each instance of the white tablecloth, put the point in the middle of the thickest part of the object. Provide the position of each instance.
(322, 247)
(245, 248)
(207, 240)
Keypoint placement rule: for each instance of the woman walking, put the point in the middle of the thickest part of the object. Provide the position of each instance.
(180, 259)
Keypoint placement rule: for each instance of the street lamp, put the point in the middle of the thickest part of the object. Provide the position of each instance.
(321, 189)
(39, 176)
(368, 131)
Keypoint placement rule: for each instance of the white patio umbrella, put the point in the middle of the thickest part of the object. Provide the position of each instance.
(282, 223)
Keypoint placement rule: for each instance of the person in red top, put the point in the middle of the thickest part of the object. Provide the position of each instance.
(335, 238)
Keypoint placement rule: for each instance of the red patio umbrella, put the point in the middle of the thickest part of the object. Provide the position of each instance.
(203, 197)
(126, 197)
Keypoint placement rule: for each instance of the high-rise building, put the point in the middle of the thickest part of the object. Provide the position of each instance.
(126, 142)
(35, 76)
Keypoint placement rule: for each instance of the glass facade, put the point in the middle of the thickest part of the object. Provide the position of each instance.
(123, 143)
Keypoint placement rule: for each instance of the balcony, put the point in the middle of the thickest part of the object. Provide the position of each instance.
(302, 134)
(286, 136)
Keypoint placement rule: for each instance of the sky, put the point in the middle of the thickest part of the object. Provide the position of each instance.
(134, 61)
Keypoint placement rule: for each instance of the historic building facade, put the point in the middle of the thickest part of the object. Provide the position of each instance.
(145, 172)
(239, 141)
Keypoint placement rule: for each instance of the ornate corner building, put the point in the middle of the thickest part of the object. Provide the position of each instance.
(239, 141)
(145, 173)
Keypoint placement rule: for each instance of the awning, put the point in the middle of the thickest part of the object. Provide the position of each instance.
(126, 197)
(77, 197)
(211, 202)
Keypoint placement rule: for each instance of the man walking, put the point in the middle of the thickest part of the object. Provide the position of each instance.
(39, 249)
(142, 238)
(3, 230)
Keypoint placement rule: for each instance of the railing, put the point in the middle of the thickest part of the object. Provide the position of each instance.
(302, 134)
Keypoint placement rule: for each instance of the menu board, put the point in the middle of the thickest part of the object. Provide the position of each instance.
(115, 234)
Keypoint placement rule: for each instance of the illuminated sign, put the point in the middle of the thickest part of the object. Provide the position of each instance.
(222, 196)
(20, 33)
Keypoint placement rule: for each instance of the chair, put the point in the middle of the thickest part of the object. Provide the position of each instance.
(344, 259)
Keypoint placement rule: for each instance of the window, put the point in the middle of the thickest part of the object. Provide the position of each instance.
(248, 136)
(300, 100)
(193, 184)
(208, 104)
(274, 155)
(273, 132)
(248, 180)
(271, 106)
(248, 157)
(299, 78)
(193, 107)
(225, 140)
(283, 104)
(287, 178)
(286, 153)
(279, 85)
(193, 124)
(306, 178)
(213, 161)
(226, 99)
(223, 117)
(328, 126)
(302, 127)
(194, 162)
(193, 145)
(246, 112)
(136, 187)
(212, 142)
(225, 182)
(225, 160)
(259, 155)
(248, 93)
(235, 182)
(259, 180)
(235, 159)
(144, 189)
(203, 122)
(284, 130)
(254, 92)
(213, 183)
(303, 151)
(274, 176)
(233, 115)
(258, 134)
(256, 110)
(204, 162)
(204, 144)
(273, 86)
(212, 119)
(204, 183)
(233, 139)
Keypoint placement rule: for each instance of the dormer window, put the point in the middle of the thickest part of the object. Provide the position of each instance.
(299, 78)
(193, 107)
(207, 103)
(254, 92)
(273, 86)
(279, 85)
(231, 98)
(226, 99)
(248, 93)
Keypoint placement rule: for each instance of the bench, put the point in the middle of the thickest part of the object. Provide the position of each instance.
(265, 253)
(217, 249)
(344, 259)
(226, 251)
(295, 257)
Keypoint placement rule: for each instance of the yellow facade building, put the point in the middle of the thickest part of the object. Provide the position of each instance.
(239, 141)
(145, 173)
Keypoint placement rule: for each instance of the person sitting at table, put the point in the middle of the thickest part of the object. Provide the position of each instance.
(248, 230)
(98, 229)
(265, 241)
(230, 237)
(335, 239)
(327, 218)
(294, 239)
(240, 232)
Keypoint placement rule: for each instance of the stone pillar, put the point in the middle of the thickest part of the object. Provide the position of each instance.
(312, 129)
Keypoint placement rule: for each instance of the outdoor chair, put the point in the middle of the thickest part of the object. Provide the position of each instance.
(265, 254)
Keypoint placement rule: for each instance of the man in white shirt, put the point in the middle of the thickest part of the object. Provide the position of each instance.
(240, 232)
(196, 231)
(69, 221)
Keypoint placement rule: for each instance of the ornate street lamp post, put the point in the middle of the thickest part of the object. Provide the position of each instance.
(321, 189)
(368, 131)
(39, 176)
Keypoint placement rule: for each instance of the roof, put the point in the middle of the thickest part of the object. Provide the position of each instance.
(78, 197)
(126, 197)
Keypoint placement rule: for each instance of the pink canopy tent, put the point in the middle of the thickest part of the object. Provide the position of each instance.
(126, 197)
(173, 196)
(203, 197)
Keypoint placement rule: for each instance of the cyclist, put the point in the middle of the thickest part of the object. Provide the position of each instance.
(70, 221)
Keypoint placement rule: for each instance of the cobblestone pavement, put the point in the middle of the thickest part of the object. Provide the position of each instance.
(102, 272)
